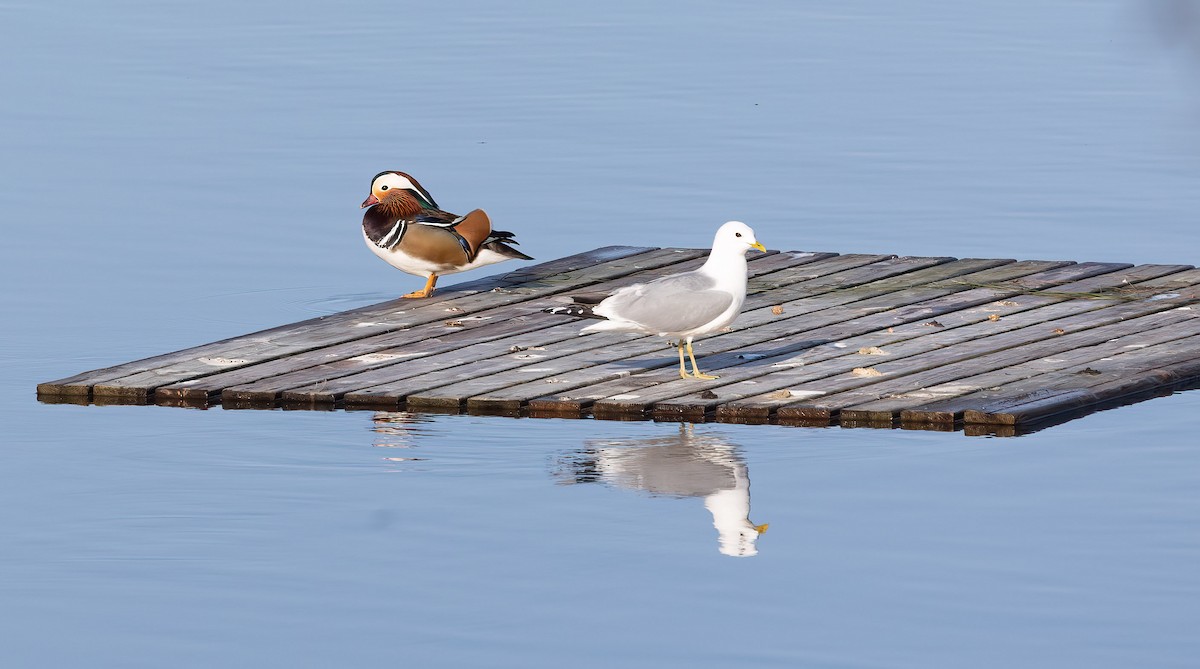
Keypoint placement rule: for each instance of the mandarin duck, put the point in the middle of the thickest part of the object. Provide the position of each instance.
(404, 226)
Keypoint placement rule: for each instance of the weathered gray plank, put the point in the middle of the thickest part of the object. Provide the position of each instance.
(81, 384)
(1037, 410)
(377, 389)
(456, 330)
(321, 379)
(1096, 382)
(968, 390)
(985, 354)
(840, 266)
(771, 373)
(199, 381)
(328, 382)
(495, 357)
(399, 315)
(808, 374)
(946, 403)
(953, 372)
(377, 350)
(636, 393)
(641, 353)
(786, 332)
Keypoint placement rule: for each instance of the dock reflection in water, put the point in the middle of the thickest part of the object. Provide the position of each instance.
(687, 464)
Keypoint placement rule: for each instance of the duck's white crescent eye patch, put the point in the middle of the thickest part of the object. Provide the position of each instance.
(394, 181)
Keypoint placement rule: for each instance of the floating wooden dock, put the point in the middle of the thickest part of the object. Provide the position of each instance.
(877, 340)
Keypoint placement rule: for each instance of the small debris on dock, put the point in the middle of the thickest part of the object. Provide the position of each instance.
(866, 371)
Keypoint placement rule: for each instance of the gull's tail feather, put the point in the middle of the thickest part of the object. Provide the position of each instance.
(576, 310)
(606, 325)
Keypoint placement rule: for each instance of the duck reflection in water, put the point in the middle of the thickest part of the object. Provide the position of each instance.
(401, 430)
(686, 464)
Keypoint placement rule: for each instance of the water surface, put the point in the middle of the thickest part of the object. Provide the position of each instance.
(179, 173)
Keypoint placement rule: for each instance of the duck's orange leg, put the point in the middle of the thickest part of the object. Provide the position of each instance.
(427, 290)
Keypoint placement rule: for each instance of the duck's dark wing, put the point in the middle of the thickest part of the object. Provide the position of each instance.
(382, 229)
(474, 230)
(386, 230)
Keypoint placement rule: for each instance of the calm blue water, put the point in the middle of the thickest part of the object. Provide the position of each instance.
(175, 173)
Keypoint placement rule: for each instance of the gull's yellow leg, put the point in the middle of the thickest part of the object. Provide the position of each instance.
(696, 373)
(427, 290)
(682, 369)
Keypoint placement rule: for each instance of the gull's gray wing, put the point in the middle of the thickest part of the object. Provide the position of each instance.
(671, 304)
(677, 469)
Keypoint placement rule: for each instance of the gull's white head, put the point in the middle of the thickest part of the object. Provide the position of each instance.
(736, 237)
(731, 510)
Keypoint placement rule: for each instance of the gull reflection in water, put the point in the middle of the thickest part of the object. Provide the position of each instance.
(681, 465)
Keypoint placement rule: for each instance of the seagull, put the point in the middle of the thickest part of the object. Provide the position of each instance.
(681, 306)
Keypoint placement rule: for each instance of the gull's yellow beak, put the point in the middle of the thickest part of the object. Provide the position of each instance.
(760, 247)
(761, 528)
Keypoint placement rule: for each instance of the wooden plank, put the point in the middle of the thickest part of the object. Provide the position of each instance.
(947, 366)
(752, 391)
(946, 403)
(985, 354)
(785, 332)
(374, 350)
(841, 265)
(648, 352)
(807, 374)
(501, 355)
(841, 339)
(81, 384)
(377, 389)
(1020, 311)
(323, 390)
(264, 382)
(330, 381)
(455, 330)
(558, 342)
(390, 317)
(922, 404)
(636, 393)
(1142, 381)
(1164, 387)
(1092, 383)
